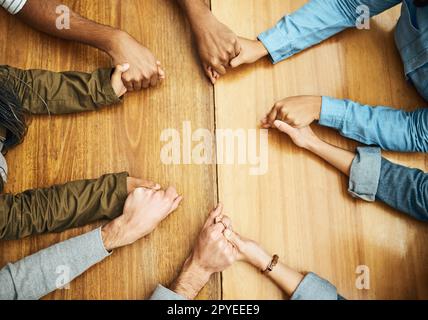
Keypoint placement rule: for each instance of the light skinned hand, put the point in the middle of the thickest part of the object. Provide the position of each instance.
(251, 51)
(134, 183)
(212, 252)
(145, 70)
(143, 211)
(302, 137)
(249, 250)
(217, 45)
(298, 111)
(116, 79)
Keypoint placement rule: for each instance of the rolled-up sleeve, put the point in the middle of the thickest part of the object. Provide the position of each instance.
(313, 287)
(162, 293)
(365, 173)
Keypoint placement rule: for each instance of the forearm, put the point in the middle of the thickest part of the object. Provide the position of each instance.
(315, 22)
(388, 128)
(43, 15)
(286, 278)
(62, 207)
(39, 274)
(195, 10)
(339, 158)
(293, 283)
(190, 281)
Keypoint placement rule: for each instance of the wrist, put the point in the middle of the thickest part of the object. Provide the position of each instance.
(193, 267)
(132, 184)
(317, 102)
(114, 41)
(110, 234)
(262, 260)
(191, 279)
(261, 50)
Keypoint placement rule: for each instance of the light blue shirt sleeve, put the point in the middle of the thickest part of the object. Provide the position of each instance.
(388, 128)
(314, 22)
(313, 287)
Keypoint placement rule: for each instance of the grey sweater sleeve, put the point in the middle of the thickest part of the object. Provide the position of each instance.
(162, 293)
(50, 269)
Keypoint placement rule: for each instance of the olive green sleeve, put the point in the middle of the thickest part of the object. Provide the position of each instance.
(47, 92)
(61, 207)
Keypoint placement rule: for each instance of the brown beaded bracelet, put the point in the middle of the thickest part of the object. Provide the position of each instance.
(271, 265)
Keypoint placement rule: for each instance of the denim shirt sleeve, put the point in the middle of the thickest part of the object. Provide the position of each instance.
(162, 293)
(365, 174)
(388, 128)
(404, 189)
(39, 274)
(314, 22)
(313, 287)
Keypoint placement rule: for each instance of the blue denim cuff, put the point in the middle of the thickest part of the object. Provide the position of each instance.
(333, 112)
(365, 173)
(162, 293)
(313, 287)
(274, 41)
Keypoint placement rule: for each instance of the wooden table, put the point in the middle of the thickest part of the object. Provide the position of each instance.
(300, 209)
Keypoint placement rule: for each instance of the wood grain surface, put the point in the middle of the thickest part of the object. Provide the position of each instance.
(300, 209)
(126, 138)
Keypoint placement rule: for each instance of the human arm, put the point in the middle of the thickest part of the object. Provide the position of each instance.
(47, 92)
(62, 207)
(212, 253)
(371, 177)
(388, 128)
(313, 23)
(295, 285)
(145, 70)
(217, 44)
(39, 274)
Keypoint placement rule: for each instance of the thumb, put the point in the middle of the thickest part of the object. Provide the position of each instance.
(120, 68)
(161, 72)
(210, 74)
(283, 127)
(237, 61)
(234, 238)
